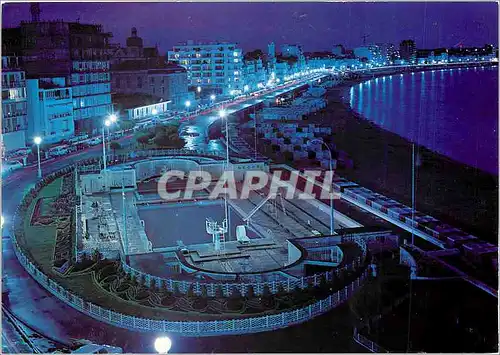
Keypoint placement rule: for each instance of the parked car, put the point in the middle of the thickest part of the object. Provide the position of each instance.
(95, 141)
(8, 166)
(78, 139)
(60, 150)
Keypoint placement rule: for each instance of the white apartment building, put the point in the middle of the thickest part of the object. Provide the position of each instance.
(91, 86)
(50, 109)
(14, 117)
(372, 53)
(214, 67)
(255, 75)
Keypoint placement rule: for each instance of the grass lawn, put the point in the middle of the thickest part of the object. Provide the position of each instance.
(41, 239)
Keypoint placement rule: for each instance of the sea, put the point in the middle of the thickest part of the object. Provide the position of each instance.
(453, 112)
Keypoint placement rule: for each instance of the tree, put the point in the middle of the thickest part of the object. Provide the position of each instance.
(143, 140)
(115, 146)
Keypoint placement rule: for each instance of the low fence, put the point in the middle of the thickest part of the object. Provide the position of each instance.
(367, 343)
(258, 288)
(190, 328)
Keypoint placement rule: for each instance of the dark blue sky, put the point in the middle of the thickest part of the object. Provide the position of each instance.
(317, 26)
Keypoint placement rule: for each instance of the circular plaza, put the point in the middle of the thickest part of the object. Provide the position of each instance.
(107, 244)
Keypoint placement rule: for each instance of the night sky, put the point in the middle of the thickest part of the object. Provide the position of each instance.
(317, 26)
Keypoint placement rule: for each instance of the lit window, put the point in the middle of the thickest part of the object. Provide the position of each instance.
(236, 60)
(235, 54)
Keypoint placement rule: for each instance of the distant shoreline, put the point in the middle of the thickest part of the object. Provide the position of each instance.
(456, 193)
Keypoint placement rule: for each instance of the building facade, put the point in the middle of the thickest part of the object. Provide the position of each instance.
(408, 51)
(78, 52)
(134, 50)
(14, 114)
(254, 74)
(372, 53)
(50, 108)
(214, 67)
(169, 83)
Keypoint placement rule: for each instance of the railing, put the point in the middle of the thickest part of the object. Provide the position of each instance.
(189, 328)
(274, 287)
(367, 343)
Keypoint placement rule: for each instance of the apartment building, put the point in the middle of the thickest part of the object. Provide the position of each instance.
(14, 115)
(50, 108)
(214, 67)
(78, 52)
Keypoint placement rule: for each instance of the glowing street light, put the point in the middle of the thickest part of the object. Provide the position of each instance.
(113, 118)
(163, 344)
(198, 89)
(188, 104)
(212, 97)
(38, 141)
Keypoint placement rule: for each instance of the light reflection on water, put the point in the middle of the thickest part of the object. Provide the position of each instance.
(451, 112)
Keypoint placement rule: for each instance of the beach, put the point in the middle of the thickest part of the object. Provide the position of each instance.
(460, 195)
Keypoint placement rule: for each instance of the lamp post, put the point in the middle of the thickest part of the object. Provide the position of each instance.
(223, 115)
(106, 124)
(188, 104)
(38, 141)
(332, 226)
(112, 119)
(212, 98)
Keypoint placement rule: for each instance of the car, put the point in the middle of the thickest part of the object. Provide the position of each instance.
(60, 150)
(9, 166)
(95, 141)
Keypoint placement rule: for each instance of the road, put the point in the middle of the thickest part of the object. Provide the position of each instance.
(36, 307)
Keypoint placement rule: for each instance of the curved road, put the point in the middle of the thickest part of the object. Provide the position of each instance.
(33, 305)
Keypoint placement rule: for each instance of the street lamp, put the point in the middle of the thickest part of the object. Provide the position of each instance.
(319, 141)
(198, 89)
(212, 97)
(111, 119)
(188, 104)
(107, 123)
(223, 116)
(38, 141)
(163, 344)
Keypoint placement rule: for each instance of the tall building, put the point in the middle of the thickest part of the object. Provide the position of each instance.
(408, 51)
(388, 51)
(14, 115)
(371, 52)
(168, 82)
(214, 67)
(50, 108)
(78, 52)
